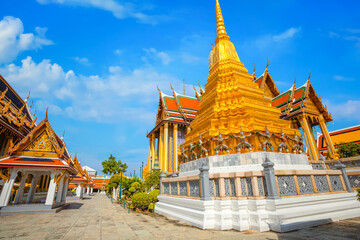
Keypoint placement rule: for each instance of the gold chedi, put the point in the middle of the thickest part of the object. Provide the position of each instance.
(232, 101)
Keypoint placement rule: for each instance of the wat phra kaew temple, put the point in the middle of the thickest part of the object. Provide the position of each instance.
(233, 156)
(36, 170)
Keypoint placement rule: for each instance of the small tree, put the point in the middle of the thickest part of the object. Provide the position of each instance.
(111, 166)
(153, 179)
(349, 150)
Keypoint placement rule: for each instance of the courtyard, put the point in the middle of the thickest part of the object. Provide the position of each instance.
(96, 217)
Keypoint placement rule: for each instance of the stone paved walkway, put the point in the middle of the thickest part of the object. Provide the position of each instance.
(97, 218)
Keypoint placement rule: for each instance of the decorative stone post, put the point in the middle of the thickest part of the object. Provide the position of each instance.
(270, 180)
(205, 183)
(162, 176)
(341, 167)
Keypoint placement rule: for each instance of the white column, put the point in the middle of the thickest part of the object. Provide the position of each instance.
(87, 190)
(60, 190)
(91, 190)
(81, 191)
(21, 189)
(78, 190)
(51, 191)
(65, 189)
(6, 192)
(32, 190)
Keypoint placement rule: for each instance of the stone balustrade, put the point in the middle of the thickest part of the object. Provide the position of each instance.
(257, 184)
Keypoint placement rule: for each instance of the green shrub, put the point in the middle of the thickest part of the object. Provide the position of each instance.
(136, 185)
(153, 195)
(141, 201)
(358, 195)
(132, 189)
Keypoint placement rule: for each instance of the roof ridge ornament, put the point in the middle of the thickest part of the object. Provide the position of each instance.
(46, 114)
(267, 65)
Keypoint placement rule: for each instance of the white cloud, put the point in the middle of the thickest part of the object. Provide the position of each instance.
(345, 36)
(152, 53)
(40, 78)
(188, 58)
(83, 61)
(120, 11)
(342, 78)
(117, 96)
(289, 33)
(14, 41)
(348, 110)
(118, 52)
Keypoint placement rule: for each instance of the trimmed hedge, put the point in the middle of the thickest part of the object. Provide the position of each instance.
(153, 195)
(141, 201)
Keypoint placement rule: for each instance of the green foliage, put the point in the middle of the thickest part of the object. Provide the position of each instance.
(153, 195)
(151, 207)
(153, 179)
(132, 190)
(136, 185)
(141, 201)
(358, 195)
(111, 166)
(349, 150)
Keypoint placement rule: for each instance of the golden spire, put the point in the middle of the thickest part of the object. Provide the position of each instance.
(220, 26)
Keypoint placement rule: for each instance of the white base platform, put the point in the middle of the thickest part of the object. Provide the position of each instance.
(281, 215)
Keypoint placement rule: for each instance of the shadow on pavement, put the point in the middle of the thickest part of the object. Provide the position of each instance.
(74, 206)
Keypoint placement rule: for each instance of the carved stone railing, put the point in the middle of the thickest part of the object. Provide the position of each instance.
(188, 187)
(300, 182)
(269, 183)
(351, 162)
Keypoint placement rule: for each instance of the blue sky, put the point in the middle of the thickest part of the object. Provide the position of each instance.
(96, 63)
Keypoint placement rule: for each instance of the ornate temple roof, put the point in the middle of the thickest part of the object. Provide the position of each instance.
(15, 112)
(266, 82)
(41, 148)
(299, 100)
(177, 108)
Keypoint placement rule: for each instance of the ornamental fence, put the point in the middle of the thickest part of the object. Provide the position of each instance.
(268, 183)
(351, 162)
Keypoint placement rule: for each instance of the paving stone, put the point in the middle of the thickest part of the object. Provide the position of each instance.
(98, 218)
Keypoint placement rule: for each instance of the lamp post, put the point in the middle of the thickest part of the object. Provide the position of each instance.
(142, 169)
(120, 185)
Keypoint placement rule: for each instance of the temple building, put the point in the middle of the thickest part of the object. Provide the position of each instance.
(272, 121)
(100, 183)
(16, 120)
(36, 170)
(243, 162)
(175, 113)
(338, 137)
(81, 182)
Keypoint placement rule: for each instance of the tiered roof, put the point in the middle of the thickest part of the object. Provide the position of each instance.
(177, 108)
(15, 113)
(41, 148)
(296, 101)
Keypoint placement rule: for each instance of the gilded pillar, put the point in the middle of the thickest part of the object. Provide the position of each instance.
(166, 146)
(161, 148)
(176, 162)
(309, 138)
(152, 157)
(149, 157)
(327, 137)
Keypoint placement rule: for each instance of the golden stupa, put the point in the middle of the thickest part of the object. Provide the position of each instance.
(232, 101)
